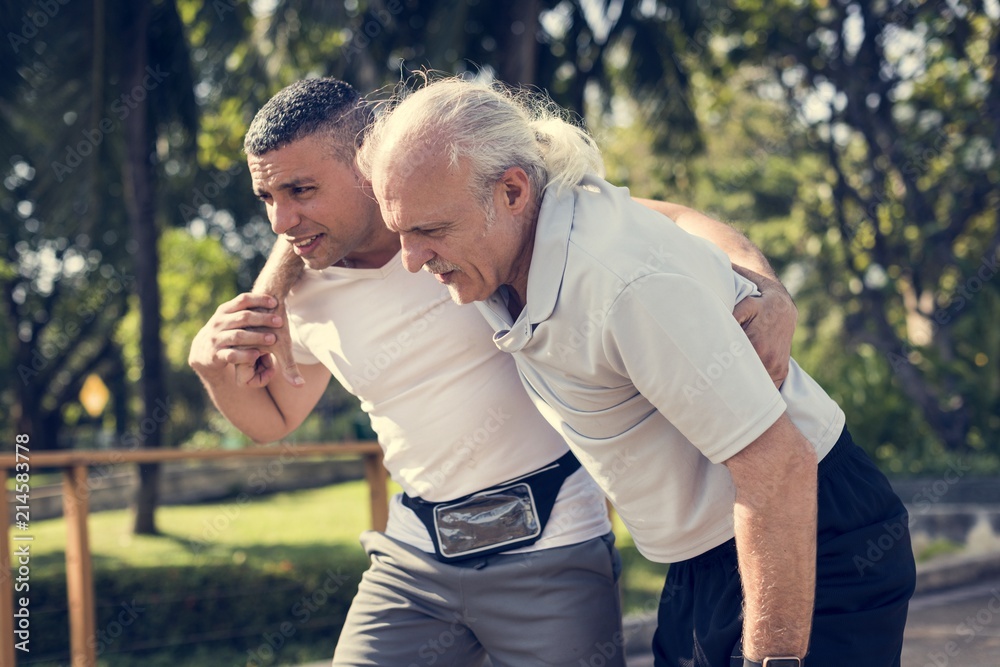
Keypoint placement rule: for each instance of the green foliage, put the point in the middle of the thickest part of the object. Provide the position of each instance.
(850, 141)
(218, 579)
(196, 275)
(901, 102)
(854, 141)
(229, 609)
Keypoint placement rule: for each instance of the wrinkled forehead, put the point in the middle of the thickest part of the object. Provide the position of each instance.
(412, 194)
(409, 164)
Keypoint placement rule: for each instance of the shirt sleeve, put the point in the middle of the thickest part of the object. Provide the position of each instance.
(677, 341)
(300, 352)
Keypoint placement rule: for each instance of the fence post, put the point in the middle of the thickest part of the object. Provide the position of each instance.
(79, 578)
(378, 489)
(76, 507)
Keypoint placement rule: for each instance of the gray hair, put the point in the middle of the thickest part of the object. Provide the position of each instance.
(491, 126)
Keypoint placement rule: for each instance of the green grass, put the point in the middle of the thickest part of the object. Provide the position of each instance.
(304, 523)
(939, 547)
(205, 550)
(266, 532)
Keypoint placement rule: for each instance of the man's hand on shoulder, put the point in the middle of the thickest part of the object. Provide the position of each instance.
(769, 322)
(281, 271)
(235, 335)
(278, 356)
(232, 356)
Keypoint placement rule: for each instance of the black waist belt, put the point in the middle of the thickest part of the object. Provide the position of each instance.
(503, 517)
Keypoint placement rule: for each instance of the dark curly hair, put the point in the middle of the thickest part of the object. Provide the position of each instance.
(307, 107)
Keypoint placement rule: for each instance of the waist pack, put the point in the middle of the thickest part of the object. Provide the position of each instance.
(503, 517)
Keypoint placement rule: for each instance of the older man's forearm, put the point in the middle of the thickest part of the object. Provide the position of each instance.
(775, 525)
(282, 270)
(735, 244)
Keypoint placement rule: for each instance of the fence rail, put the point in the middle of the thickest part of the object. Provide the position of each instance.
(79, 579)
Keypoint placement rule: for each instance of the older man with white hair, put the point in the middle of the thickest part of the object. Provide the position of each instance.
(620, 326)
(500, 545)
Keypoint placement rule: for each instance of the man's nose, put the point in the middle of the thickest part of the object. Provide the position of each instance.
(415, 254)
(283, 217)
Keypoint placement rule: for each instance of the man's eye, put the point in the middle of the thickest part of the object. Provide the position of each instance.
(301, 191)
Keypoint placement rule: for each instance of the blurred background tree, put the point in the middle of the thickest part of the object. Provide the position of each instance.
(855, 142)
(901, 101)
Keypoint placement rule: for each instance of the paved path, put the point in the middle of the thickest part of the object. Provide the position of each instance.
(955, 628)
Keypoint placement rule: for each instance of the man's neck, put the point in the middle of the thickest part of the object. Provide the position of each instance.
(515, 304)
(375, 254)
(518, 284)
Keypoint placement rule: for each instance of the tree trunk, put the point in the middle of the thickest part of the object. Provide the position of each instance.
(43, 427)
(139, 189)
(29, 415)
(97, 75)
(518, 44)
(953, 425)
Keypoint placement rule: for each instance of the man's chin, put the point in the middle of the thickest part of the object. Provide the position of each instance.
(457, 296)
(465, 297)
(317, 263)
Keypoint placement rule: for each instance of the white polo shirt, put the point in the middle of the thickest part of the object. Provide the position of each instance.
(448, 407)
(628, 345)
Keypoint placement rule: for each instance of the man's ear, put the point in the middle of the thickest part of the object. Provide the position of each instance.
(516, 190)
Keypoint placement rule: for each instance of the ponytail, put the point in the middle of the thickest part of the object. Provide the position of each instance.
(568, 152)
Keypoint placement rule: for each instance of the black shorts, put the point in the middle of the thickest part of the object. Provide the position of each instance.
(865, 576)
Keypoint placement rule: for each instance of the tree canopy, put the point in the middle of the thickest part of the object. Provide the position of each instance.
(854, 141)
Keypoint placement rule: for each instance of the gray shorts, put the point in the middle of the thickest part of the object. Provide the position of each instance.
(558, 607)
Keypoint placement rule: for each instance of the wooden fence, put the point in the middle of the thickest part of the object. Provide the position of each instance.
(75, 465)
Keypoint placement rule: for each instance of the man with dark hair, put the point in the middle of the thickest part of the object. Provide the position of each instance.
(500, 544)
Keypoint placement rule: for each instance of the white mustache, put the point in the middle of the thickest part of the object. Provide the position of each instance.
(439, 267)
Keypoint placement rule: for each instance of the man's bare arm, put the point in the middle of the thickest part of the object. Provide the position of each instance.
(775, 524)
(741, 251)
(769, 321)
(281, 271)
(237, 336)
